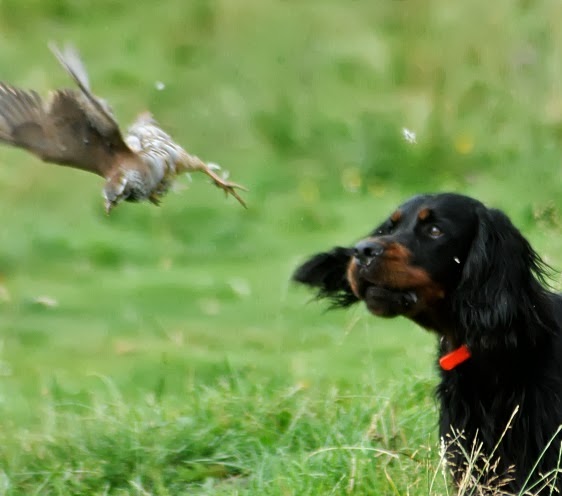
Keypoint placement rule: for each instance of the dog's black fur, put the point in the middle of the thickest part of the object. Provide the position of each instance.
(464, 271)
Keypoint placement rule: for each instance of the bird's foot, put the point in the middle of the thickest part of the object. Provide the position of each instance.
(228, 187)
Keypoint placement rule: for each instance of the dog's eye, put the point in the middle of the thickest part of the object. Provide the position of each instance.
(385, 229)
(435, 232)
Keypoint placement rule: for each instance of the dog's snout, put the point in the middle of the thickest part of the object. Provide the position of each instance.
(367, 249)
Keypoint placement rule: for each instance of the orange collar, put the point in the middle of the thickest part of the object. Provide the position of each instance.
(455, 357)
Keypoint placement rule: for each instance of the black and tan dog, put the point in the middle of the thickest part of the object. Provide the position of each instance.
(463, 271)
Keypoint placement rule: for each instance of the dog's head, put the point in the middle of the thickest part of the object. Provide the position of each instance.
(445, 261)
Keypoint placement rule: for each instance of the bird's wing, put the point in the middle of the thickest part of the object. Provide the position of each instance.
(73, 128)
(100, 113)
(61, 130)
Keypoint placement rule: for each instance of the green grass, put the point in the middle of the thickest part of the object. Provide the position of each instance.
(177, 358)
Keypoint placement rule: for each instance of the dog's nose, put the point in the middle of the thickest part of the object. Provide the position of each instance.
(366, 250)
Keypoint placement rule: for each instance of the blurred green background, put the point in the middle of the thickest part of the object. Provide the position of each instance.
(163, 350)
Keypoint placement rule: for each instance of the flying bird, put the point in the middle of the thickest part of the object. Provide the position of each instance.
(75, 128)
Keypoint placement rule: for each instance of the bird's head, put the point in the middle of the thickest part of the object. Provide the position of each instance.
(114, 192)
(127, 185)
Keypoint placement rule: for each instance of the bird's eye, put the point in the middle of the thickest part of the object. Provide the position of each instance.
(435, 232)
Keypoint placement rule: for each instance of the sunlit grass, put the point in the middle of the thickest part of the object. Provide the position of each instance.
(163, 350)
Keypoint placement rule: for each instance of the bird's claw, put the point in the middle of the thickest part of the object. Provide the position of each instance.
(230, 189)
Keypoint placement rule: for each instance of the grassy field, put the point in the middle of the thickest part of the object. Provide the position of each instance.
(163, 351)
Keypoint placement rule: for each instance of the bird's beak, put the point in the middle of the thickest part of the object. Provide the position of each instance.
(108, 206)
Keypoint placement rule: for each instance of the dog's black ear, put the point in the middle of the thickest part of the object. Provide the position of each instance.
(500, 294)
(327, 272)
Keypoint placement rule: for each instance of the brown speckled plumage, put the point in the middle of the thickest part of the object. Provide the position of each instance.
(77, 129)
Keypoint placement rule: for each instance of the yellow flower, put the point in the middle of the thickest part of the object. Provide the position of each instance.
(464, 144)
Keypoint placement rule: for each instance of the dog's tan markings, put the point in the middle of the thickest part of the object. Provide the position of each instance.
(352, 277)
(424, 213)
(394, 271)
(396, 216)
(397, 251)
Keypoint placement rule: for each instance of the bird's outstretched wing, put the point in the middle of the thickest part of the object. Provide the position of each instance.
(98, 110)
(72, 128)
